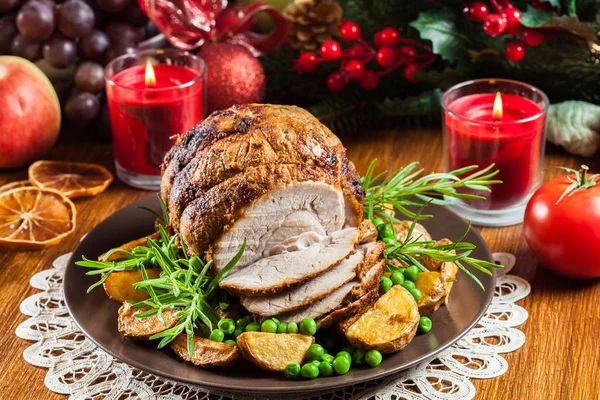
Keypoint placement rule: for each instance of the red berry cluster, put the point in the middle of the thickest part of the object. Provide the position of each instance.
(505, 18)
(391, 52)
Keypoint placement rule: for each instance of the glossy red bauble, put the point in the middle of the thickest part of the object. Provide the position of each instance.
(308, 62)
(386, 57)
(514, 51)
(478, 11)
(355, 69)
(336, 82)
(410, 70)
(370, 80)
(331, 50)
(494, 25)
(533, 37)
(350, 31)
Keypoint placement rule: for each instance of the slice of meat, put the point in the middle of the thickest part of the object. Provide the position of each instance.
(321, 307)
(313, 290)
(278, 215)
(275, 273)
(327, 308)
(361, 297)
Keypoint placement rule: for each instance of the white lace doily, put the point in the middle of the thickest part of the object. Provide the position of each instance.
(76, 367)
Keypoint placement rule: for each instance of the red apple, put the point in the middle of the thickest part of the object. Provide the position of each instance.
(29, 112)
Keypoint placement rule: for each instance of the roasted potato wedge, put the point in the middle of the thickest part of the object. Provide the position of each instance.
(207, 353)
(119, 285)
(402, 228)
(389, 325)
(128, 246)
(433, 292)
(272, 351)
(446, 269)
(142, 328)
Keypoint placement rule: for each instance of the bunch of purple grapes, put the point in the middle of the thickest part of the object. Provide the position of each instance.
(74, 35)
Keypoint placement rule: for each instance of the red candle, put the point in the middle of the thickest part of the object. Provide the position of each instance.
(149, 105)
(505, 129)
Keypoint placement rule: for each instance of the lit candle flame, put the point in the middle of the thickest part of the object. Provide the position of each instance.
(497, 110)
(150, 78)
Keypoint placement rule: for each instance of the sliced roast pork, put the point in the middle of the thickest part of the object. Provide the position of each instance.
(285, 270)
(313, 290)
(342, 297)
(278, 215)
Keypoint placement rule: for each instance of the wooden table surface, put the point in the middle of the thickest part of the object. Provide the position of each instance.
(560, 360)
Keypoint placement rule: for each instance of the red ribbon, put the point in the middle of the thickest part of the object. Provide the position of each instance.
(188, 24)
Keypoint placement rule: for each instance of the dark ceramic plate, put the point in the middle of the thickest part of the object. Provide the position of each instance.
(96, 314)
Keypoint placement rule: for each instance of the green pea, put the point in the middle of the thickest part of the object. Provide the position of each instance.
(308, 326)
(424, 324)
(229, 341)
(386, 231)
(341, 365)
(385, 284)
(412, 273)
(378, 222)
(373, 358)
(238, 331)
(276, 320)
(253, 327)
(269, 326)
(226, 325)
(397, 278)
(316, 362)
(349, 349)
(243, 322)
(315, 352)
(217, 335)
(416, 294)
(408, 285)
(325, 368)
(282, 328)
(328, 358)
(358, 357)
(292, 327)
(310, 371)
(292, 371)
(389, 241)
(344, 353)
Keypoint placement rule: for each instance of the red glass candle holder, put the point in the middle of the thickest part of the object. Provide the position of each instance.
(512, 138)
(153, 95)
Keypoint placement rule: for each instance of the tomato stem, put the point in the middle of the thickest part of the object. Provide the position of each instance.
(580, 182)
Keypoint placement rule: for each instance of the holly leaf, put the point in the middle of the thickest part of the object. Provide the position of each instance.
(534, 17)
(553, 3)
(438, 27)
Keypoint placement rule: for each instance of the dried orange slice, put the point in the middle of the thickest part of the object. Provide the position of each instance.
(14, 185)
(34, 218)
(73, 179)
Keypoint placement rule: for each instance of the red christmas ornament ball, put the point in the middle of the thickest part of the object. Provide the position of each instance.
(233, 76)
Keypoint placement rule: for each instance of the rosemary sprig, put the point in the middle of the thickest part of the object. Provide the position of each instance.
(405, 187)
(186, 287)
(412, 249)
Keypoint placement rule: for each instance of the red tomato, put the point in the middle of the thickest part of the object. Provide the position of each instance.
(565, 237)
